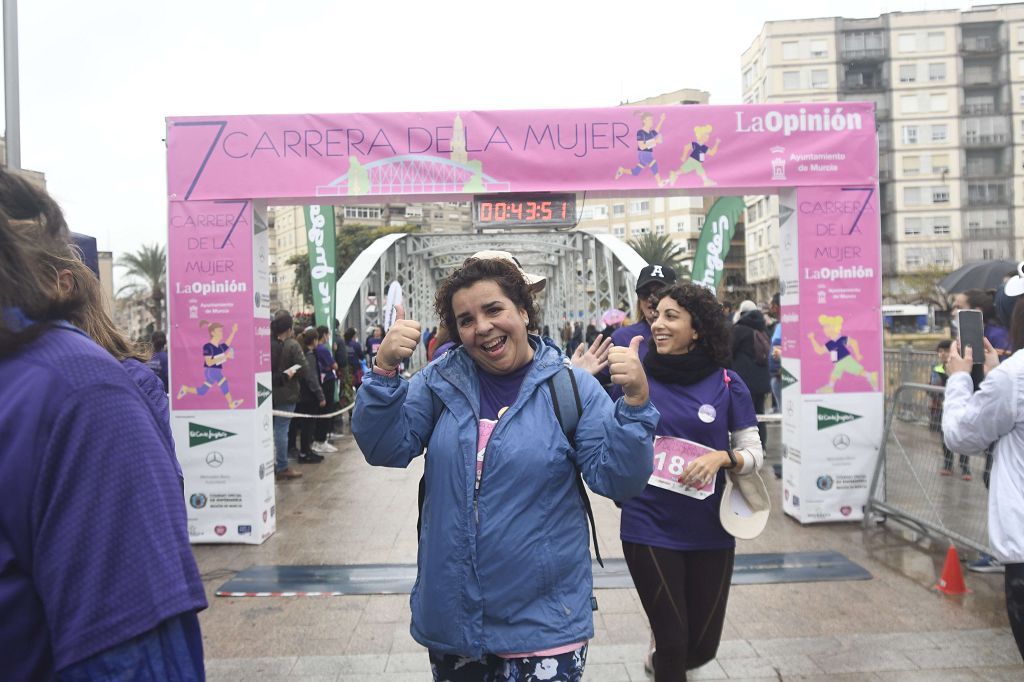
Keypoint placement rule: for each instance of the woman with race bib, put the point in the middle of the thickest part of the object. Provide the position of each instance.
(504, 584)
(679, 554)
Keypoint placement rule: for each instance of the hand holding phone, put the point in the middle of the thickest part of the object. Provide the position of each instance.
(292, 370)
(971, 334)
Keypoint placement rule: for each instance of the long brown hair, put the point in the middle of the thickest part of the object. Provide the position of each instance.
(35, 244)
(92, 319)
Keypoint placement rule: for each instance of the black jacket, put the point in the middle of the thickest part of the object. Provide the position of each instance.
(755, 376)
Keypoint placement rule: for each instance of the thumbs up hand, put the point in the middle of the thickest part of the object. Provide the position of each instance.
(399, 342)
(628, 372)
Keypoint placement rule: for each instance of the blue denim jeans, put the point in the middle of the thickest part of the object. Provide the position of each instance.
(281, 436)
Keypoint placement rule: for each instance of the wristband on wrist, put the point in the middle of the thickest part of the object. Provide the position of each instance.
(377, 369)
(732, 459)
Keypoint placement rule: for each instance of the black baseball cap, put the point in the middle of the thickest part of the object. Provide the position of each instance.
(661, 275)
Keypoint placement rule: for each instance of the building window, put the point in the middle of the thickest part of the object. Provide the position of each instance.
(680, 225)
(912, 227)
(700, 221)
(940, 195)
(619, 231)
(588, 214)
(912, 196)
(908, 73)
(748, 78)
(618, 209)
(942, 257)
(600, 211)
(659, 228)
(936, 42)
(909, 134)
(790, 50)
(640, 206)
(913, 258)
(1020, 35)
(819, 78)
(937, 71)
(907, 42)
(988, 254)
(908, 104)
(938, 102)
(362, 212)
(940, 225)
(911, 165)
(940, 163)
(790, 80)
(939, 132)
(819, 48)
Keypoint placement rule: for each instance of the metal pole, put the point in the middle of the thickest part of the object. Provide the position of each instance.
(11, 99)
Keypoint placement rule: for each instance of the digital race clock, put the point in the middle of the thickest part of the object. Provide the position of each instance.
(524, 210)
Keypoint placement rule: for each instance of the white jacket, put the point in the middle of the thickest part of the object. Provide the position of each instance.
(970, 422)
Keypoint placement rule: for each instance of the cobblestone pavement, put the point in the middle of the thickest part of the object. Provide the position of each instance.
(892, 627)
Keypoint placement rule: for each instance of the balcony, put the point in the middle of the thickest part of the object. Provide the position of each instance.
(982, 45)
(983, 80)
(987, 140)
(985, 109)
(976, 233)
(858, 85)
(872, 54)
(987, 172)
(988, 194)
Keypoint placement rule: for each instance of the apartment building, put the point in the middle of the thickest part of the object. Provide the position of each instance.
(948, 87)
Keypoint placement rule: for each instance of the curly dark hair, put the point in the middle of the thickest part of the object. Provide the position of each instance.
(707, 318)
(500, 271)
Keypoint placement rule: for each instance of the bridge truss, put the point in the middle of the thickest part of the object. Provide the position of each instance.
(586, 275)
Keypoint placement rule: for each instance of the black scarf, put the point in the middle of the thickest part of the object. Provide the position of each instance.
(685, 369)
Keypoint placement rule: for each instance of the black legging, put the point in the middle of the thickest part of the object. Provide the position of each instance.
(684, 595)
(1015, 602)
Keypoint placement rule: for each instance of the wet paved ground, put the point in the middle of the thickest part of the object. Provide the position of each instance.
(893, 627)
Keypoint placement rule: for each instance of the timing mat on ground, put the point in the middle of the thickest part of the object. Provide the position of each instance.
(336, 580)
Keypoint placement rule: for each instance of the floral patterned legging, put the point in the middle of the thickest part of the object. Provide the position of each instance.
(567, 667)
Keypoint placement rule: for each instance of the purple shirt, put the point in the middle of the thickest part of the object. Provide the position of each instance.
(499, 390)
(324, 359)
(662, 518)
(93, 542)
(838, 346)
(623, 335)
(212, 351)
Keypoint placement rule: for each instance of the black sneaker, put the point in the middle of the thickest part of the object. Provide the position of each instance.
(310, 458)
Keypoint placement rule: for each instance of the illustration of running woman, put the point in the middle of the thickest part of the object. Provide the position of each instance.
(694, 160)
(647, 138)
(845, 360)
(215, 353)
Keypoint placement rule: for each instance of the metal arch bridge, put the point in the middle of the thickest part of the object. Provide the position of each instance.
(414, 174)
(587, 274)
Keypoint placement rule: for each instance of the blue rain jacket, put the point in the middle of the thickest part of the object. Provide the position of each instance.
(518, 579)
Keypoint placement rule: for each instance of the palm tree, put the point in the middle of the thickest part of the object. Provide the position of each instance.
(658, 248)
(147, 269)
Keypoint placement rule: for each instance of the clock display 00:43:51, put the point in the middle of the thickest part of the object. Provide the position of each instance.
(527, 211)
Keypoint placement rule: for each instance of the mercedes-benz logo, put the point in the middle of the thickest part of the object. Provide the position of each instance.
(215, 459)
(841, 442)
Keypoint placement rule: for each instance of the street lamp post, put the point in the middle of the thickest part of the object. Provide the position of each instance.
(12, 109)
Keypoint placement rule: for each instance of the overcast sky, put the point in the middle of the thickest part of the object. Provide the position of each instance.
(98, 77)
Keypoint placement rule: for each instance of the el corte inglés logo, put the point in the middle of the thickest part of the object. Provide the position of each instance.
(199, 434)
(787, 378)
(262, 393)
(829, 417)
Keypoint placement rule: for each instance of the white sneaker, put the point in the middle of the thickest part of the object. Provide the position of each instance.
(320, 448)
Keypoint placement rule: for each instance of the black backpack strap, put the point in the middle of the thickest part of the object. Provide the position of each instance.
(565, 398)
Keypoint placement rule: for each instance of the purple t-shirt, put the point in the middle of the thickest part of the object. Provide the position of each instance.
(838, 346)
(662, 518)
(698, 151)
(500, 390)
(324, 359)
(623, 335)
(93, 542)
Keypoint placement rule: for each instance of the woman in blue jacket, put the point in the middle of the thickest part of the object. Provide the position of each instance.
(679, 554)
(504, 581)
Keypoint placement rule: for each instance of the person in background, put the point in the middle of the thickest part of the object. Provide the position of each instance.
(653, 278)
(939, 377)
(971, 422)
(746, 363)
(995, 332)
(118, 597)
(373, 342)
(678, 553)
(486, 545)
(286, 359)
(311, 399)
(775, 361)
(327, 368)
(158, 361)
(441, 341)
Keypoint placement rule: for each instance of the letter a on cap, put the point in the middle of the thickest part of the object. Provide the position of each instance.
(656, 271)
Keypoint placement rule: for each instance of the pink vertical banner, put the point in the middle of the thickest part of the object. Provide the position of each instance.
(840, 283)
(210, 288)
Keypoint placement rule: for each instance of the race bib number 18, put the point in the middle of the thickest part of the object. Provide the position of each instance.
(671, 455)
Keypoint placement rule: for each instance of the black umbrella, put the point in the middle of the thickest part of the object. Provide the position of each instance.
(984, 275)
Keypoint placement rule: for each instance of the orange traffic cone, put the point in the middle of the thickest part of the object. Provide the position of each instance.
(952, 580)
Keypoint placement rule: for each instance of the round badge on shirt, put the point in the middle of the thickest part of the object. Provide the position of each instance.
(707, 413)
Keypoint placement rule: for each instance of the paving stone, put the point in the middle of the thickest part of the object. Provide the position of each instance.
(735, 648)
(606, 672)
(319, 665)
(408, 662)
(968, 657)
(796, 645)
(962, 675)
(864, 660)
(710, 671)
(251, 666)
